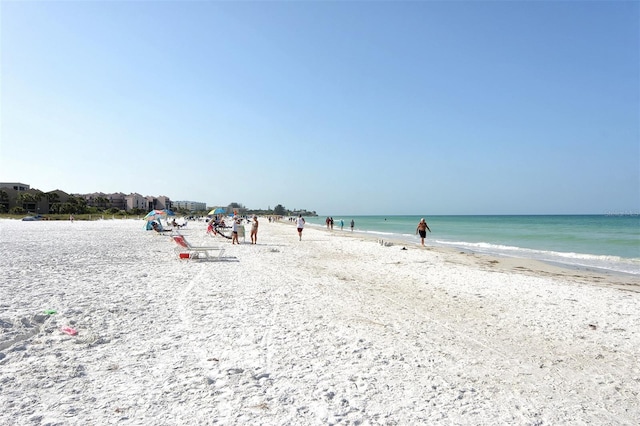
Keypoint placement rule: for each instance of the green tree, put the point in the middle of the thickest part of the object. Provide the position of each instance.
(4, 201)
(27, 201)
(279, 210)
(75, 205)
(54, 202)
(17, 210)
(67, 208)
(101, 202)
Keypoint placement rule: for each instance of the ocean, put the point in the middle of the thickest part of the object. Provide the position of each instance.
(598, 242)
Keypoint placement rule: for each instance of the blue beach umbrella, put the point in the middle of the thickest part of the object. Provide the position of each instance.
(217, 210)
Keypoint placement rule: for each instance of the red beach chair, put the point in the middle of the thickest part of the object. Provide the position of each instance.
(195, 252)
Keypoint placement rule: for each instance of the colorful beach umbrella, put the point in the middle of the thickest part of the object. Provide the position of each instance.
(157, 214)
(217, 210)
(153, 215)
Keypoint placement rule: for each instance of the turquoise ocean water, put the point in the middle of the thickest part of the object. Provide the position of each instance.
(601, 242)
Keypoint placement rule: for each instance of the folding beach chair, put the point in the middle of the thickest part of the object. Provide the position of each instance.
(195, 252)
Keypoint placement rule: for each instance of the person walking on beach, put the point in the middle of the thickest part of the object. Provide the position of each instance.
(300, 224)
(234, 232)
(254, 230)
(341, 224)
(422, 230)
(352, 224)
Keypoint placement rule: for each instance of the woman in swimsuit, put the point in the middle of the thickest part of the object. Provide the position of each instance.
(254, 230)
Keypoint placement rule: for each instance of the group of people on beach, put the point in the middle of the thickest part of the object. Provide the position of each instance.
(421, 229)
(217, 222)
(254, 230)
(329, 222)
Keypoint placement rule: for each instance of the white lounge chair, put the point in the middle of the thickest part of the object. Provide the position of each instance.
(196, 252)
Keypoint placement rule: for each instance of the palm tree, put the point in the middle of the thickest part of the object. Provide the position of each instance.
(27, 201)
(37, 197)
(101, 202)
(54, 202)
(75, 204)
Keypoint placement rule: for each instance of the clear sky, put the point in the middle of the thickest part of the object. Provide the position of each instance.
(356, 107)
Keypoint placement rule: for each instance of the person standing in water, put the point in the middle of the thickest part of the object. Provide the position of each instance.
(422, 230)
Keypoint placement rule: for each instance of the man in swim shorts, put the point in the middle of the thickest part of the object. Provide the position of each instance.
(422, 230)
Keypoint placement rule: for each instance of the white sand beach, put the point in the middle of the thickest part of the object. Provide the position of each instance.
(333, 329)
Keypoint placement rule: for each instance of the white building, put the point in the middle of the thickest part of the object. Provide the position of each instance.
(136, 201)
(192, 206)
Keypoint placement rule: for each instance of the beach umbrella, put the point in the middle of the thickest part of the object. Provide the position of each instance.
(157, 214)
(154, 214)
(217, 210)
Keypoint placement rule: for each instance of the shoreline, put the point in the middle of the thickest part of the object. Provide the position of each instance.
(578, 242)
(499, 263)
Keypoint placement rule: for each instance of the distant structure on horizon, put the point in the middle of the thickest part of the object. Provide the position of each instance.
(125, 202)
(17, 194)
(16, 186)
(192, 206)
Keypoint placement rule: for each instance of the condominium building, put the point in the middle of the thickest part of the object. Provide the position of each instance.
(192, 206)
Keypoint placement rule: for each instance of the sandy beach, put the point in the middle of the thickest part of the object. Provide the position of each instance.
(333, 329)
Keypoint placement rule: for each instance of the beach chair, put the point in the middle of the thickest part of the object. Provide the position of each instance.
(195, 252)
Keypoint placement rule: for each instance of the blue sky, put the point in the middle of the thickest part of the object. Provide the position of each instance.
(339, 107)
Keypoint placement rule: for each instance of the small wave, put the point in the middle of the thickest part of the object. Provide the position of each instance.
(386, 234)
(379, 233)
(582, 260)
